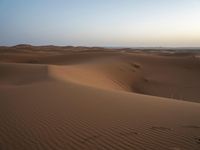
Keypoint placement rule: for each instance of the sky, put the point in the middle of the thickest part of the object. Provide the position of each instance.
(123, 23)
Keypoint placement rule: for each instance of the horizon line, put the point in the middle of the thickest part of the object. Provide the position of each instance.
(131, 47)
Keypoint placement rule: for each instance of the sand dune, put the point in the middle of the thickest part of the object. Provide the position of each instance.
(85, 99)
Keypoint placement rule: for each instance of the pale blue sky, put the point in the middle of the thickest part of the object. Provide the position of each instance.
(126, 23)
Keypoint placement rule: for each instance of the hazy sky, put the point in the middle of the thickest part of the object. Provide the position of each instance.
(100, 22)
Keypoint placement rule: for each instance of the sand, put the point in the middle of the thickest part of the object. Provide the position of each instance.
(96, 98)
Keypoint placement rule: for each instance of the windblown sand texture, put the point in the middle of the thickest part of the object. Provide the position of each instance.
(60, 98)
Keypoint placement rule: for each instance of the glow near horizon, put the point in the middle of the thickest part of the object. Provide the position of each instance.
(100, 22)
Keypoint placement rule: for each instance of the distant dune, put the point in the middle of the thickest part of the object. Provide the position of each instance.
(68, 97)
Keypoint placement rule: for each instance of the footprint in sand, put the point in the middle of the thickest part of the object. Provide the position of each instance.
(197, 139)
